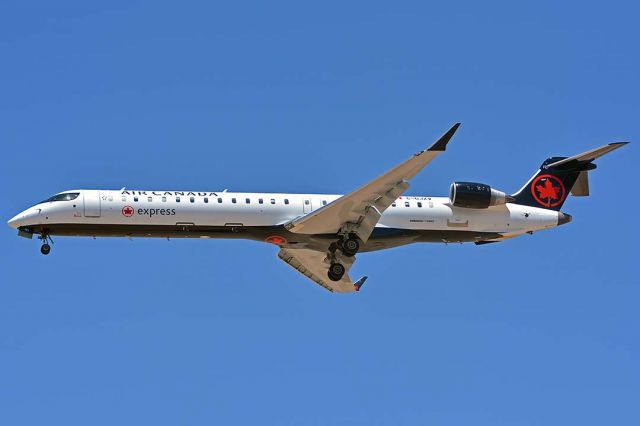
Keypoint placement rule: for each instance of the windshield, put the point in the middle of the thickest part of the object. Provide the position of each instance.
(67, 196)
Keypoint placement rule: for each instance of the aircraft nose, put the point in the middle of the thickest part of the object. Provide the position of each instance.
(24, 218)
(15, 221)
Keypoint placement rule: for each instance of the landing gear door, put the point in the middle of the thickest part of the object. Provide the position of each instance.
(91, 203)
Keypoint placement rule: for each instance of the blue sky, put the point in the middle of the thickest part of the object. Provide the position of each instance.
(293, 97)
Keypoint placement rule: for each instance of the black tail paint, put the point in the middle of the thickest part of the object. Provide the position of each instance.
(550, 187)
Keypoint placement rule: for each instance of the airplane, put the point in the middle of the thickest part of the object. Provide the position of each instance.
(319, 235)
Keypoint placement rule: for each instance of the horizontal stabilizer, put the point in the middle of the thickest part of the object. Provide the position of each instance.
(588, 155)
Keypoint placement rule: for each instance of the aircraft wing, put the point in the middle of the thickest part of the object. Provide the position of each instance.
(360, 210)
(311, 263)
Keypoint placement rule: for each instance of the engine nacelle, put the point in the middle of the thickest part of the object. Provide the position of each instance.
(473, 195)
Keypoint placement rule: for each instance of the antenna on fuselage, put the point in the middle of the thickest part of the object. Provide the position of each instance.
(123, 188)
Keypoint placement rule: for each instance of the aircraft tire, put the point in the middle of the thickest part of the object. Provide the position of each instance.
(350, 246)
(336, 271)
(45, 249)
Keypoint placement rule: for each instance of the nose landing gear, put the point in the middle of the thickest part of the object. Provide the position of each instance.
(45, 248)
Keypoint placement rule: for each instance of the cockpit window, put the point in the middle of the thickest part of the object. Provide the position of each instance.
(67, 196)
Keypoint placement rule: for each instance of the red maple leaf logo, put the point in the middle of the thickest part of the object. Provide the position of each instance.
(548, 190)
(127, 211)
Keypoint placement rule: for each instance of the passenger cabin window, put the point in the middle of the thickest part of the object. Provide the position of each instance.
(324, 202)
(419, 204)
(233, 200)
(306, 202)
(260, 201)
(124, 198)
(177, 199)
(135, 199)
(286, 201)
(393, 204)
(273, 201)
(164, 199)
(219, 200)
(149, 199)
(192, 200)
(406, 204)
(206, 200)
(248, 201)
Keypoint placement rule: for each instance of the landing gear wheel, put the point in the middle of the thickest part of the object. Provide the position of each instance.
(350, 246)
(45, 249)
(336, 271)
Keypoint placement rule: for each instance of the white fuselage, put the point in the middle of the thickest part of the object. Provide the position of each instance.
(94, 212)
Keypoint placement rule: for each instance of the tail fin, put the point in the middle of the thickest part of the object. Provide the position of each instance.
(559, 176)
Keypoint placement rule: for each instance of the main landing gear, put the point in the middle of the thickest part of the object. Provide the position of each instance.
(45, 248)
(350, 246)
(347, 247)
(336, 271)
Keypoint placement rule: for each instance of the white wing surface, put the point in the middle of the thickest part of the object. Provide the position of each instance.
(360, 210)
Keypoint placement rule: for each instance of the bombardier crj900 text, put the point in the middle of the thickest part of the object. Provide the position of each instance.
(318, 234)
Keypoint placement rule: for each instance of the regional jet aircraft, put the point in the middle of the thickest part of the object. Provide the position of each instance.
(319, 235)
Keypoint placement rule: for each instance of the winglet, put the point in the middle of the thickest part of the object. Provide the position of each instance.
(441, 144)
(359, 283)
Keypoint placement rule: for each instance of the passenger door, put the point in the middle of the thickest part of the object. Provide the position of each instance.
(91, 203)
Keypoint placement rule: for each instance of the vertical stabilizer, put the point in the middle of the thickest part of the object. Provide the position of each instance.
(560, 176)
